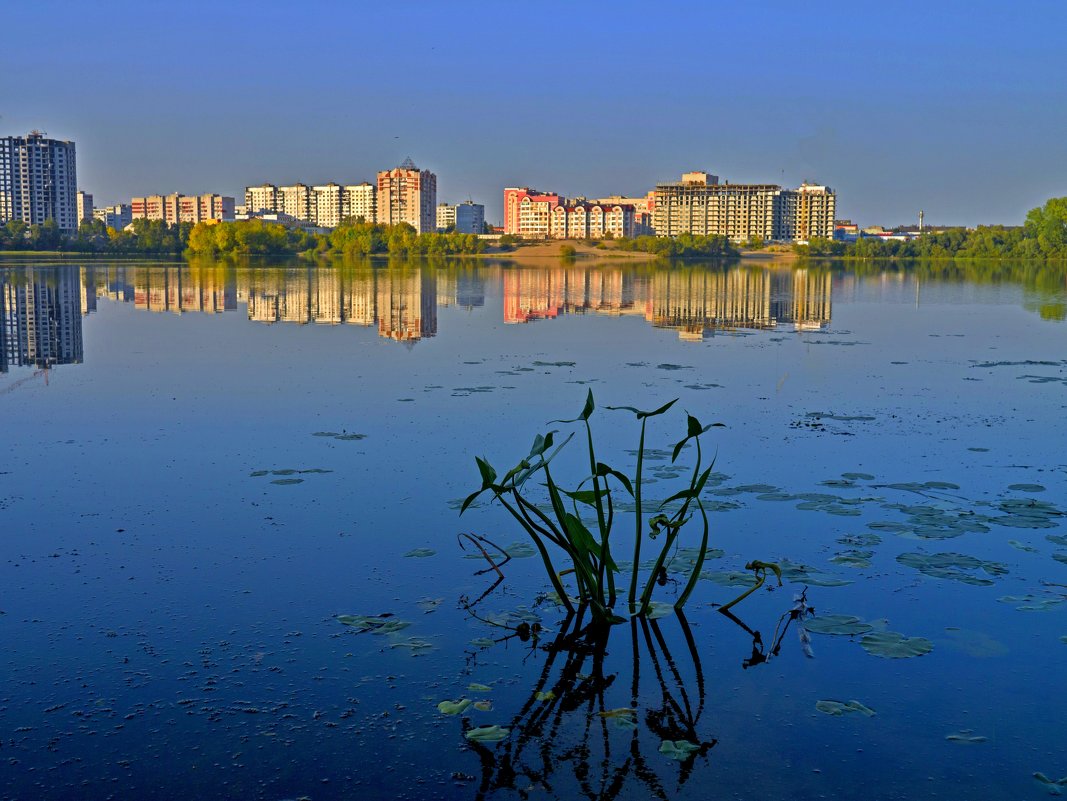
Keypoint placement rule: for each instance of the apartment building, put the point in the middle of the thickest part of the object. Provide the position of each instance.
(297, 201)
(178, 208)
(38, 180)
(83, 207)
(643, 207)
(407, 194)
(261, 198)
(360, 200)
(467, 217)
(528, 212)
(700, 205)
(328, 202)
(808, 212)
(117, 217)
(591, 220)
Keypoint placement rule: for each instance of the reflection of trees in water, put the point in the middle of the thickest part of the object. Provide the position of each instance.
(572, 738)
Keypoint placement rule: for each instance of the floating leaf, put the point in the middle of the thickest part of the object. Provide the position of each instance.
(475, 687)
(258, 473)
(953, 566)
(839, 708)
(420, 553)
(374, 624)
(545, 696)
(453, 707)
(416, 645)
(429, 605)
(483, 706)
(806, 574)
(679, 750)
(975, 643)
(1022, 546)
(1026, 488)
(853, 558)
(858, 476)
(285, 481)
(487, 734)
(893, 645)
(520, 550)
(966, 737)
(1053, 787)
(658, 609)
(1057, 539)
(837, 624)
(1033, 603)
(483, 642)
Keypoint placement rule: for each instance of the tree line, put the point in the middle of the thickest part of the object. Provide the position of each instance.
(1042, 237)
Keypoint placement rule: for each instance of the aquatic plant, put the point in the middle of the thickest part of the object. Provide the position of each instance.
(589, 554)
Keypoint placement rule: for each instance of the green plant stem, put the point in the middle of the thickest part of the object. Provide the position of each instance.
(759, 583)
(557, 585)
(605, 531)
(632, 598)
(691, 585)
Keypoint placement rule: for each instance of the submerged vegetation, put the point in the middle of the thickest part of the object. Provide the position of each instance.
(590, 555)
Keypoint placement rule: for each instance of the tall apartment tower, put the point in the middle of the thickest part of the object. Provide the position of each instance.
(83, 207)
(38, 180)
(407, 194)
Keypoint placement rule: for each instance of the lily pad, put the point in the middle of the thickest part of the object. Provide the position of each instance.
(487, 734)
(1026, 488)
(286, 481)
(519, 550)
(894, 645)
(837, 624)
(1056, 539)
(1032, 602)
(966, 737)
(658, 609)
(258, 473)
(483, 706)
(858, 476)
(475, 687)
(729, 578)
(806, 574)
(374, 624)
(420, 553)
(853, 558)
(1053, 787)
(416, 645)
(545, 696)
(429, 605)
(483, 642)
(679, 750)
(975, 643)
(453, 707)
(1022, 546)
(839, 708)
(954, 566)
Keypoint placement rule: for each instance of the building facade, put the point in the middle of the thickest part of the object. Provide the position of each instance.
(328, 205)
(591, 220)
(117, 217)
(407, 194)
(38, 180)
(528, 212)
(83, 207)
(700, 205)
(178, 208)
(360, 200)
(467, 217)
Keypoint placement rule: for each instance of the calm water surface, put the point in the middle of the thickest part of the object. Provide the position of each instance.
(203, 466)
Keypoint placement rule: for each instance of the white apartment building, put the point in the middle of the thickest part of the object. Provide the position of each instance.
(360, 200)
(296, 201)
(261, 198)
(328, 205)
(83, 205)
(446, 216)
(38, 180)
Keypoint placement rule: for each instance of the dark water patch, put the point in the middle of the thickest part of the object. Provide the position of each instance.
(841, 418)
(553, 364)
(1026, 363)
(670, 366)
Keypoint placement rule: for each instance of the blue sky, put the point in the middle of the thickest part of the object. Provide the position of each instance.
(959, 108)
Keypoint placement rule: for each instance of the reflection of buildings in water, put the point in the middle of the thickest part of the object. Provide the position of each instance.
(690, 301)
(180, 290)
(463, 288)
(407, 304)
(402, 303)
(532, 294)
(40, 317)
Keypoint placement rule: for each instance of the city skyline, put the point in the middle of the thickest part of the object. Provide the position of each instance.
(928, 108)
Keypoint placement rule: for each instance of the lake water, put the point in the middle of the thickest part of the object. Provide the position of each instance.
(203, 466)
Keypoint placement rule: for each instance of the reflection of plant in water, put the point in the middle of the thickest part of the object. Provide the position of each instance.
(797, 614)
(590, 554)
(575, 690)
